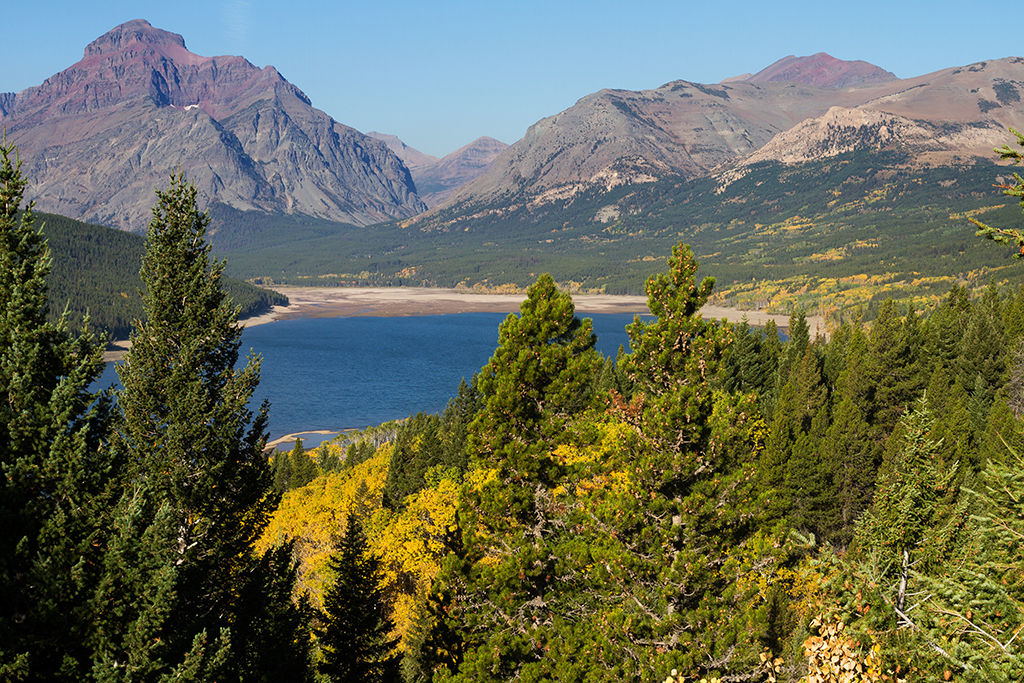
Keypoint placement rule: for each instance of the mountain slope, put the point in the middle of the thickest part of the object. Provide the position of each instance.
(436, 182)
(97, 137)
(96, 273)
(616, 137)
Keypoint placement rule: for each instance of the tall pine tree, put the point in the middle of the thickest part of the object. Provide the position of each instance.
(195, 450)
(57, 477)
(356, 638)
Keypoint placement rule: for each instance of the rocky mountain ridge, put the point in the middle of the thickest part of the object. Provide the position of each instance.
(821, 70)
(98, 136)
(414, 159)
(617, 137)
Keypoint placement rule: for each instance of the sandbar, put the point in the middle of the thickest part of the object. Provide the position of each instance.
(335, 302)
(332, 302)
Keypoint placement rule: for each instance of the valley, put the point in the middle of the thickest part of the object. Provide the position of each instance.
(816, 184)
(530, 481)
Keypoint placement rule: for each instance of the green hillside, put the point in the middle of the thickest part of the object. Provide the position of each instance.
(96, 269)
(830, 235)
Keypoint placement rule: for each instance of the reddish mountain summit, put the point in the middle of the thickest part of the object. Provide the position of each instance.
(822, 70)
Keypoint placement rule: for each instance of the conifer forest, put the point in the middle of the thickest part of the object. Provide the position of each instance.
(718, 503)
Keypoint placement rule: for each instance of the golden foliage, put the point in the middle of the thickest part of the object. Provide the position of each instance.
(314, 516)
(411, 545)
(835, 657)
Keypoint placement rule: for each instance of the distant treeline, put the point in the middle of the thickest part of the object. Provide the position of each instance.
(96, 271)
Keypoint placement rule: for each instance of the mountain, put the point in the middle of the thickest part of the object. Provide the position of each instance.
(96, 138)
(413, 158)
(437, 182)
(436, 179)
(690, 130)
(822, 70)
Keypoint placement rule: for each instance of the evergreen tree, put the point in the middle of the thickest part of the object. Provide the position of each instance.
(971, 619)
(745, 370)
(982, 349)
(355, 637)
(540, 374)
(782, 482)
(892, 368)
(417, 448)
(455, 421)
(195, 451)
(916, 520)
(694, 461)
(854, 461)
(614, 555)
(328, 459)
(676, 357)
(770, 356)
(945, 329)
(58, 478)
(303, 467)
(282, 469)
(795, 348)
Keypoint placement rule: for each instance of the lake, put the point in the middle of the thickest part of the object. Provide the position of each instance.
(340, 373)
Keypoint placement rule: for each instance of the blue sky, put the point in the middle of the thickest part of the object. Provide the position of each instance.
(441, 74)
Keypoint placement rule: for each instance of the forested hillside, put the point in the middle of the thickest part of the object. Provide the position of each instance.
(96, 270)
(716, 504)
(831, 237)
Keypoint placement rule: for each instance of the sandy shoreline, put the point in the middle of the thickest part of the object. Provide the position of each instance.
(333, 302)
(330, 302)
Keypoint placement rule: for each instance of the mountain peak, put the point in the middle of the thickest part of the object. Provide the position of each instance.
(822, 70)
(98, 136)
(135, 31)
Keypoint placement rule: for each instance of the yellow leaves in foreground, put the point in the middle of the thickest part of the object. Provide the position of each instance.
(411, 545)
(315, 515)
(833, 657)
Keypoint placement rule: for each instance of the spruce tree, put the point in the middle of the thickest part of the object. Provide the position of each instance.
(355, 638)
(417, 447)
(541, 373)
(916, 519)
(303, 467)
(195, 453)
(852, 457)
(58, 478)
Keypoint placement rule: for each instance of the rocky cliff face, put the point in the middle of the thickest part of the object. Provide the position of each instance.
(825, 107)
(96, 138)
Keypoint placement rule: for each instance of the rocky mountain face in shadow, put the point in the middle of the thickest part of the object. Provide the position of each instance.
(436, 179)
(796, 110)
(414, 159)
(96, 138)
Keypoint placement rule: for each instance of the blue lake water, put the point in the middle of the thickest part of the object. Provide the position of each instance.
(339, 373)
